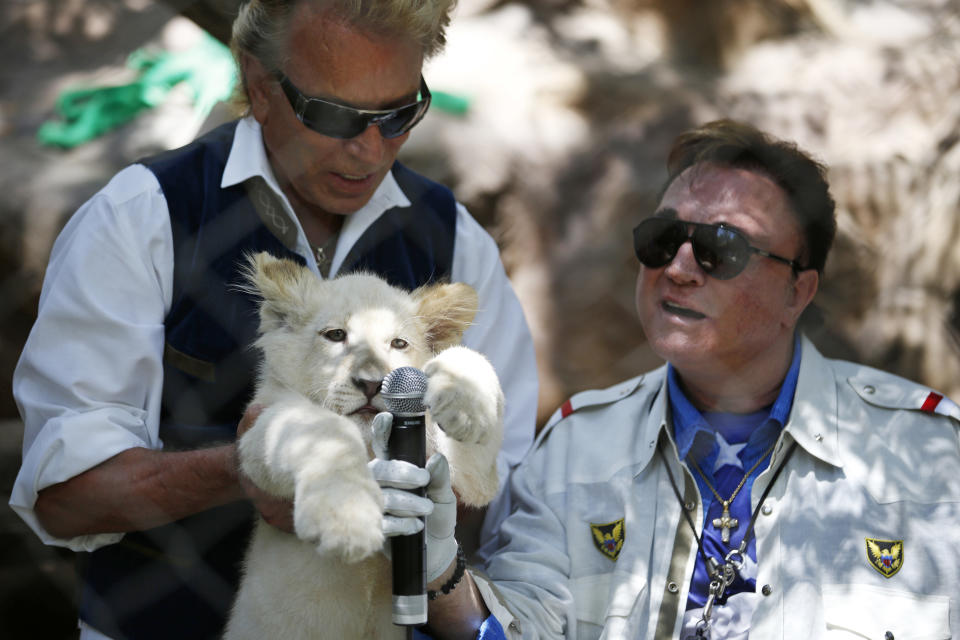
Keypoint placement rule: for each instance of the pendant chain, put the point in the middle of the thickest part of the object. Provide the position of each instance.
(324, 254)
(721, 575)
(725, 522)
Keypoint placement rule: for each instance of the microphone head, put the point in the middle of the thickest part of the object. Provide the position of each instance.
(403, 390)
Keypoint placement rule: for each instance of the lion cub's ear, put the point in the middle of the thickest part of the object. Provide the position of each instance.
(283, 286)
(446, 310)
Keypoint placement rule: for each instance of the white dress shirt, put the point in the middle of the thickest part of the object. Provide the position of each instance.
(89, 380)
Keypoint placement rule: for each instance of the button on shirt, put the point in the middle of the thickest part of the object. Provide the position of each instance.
(696, 435)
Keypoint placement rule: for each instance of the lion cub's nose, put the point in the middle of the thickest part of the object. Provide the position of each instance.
(370, 388)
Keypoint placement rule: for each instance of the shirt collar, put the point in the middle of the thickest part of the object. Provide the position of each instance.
(814, 417)
(688, 422)
(780, 410)
(248, 159)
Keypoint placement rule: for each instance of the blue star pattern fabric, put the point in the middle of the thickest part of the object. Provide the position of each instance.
(728, 454)
(703, 437)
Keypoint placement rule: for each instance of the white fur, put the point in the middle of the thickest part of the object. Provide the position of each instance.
(331, 580)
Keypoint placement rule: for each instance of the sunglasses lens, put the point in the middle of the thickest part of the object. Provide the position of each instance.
(333, 120)
(720, 251)
(402, 120)
(656, 241)
(340, 121)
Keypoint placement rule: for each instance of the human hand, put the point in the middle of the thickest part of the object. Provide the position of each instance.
(277, 512)
(403, 510)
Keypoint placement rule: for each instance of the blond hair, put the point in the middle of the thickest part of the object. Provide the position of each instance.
(261, 26)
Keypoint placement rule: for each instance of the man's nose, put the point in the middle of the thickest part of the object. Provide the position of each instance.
(684, 267)
(369, 145)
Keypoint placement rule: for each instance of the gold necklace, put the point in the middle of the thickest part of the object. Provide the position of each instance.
(726, 523)
(324, 254)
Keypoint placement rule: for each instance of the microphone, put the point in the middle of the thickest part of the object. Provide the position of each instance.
(402, 390)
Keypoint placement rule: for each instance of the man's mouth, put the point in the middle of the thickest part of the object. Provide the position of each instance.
(353, 178)
(683, 312)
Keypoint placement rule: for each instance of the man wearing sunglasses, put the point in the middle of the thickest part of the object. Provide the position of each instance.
(751, 486)
(132, 415)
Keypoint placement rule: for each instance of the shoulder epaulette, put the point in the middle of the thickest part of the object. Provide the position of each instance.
(893, 392)
(593, 398)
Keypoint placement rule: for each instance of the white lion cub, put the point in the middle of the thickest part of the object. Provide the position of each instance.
(326, 346)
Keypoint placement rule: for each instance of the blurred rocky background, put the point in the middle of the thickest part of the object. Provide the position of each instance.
(572, 107)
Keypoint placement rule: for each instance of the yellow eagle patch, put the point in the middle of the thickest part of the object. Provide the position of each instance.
(886, 556)
(608, 538)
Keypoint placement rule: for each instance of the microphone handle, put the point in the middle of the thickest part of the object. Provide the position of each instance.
(408, 442)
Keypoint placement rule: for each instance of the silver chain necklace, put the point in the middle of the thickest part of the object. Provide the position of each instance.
(725, 522)
(324, 254)
(723, 575)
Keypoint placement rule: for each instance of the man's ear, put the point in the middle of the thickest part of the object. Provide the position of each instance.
(282, 285)
(258, 86)
(446, 310)
(804, 289)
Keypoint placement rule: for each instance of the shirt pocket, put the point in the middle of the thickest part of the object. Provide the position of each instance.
(862, 611)
(598, 598)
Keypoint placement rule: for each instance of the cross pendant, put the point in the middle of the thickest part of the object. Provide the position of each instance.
(725, 523)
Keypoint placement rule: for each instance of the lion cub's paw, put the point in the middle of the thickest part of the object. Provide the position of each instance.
(463, 394)
(344, 522)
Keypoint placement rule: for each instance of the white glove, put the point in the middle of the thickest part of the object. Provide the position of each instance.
(403, 510)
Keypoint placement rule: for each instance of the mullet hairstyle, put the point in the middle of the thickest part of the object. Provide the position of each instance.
(260, 28)
(729, 143)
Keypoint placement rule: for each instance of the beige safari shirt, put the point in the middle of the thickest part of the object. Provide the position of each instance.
(877, 466)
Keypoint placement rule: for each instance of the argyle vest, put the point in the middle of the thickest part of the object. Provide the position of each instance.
(179, 580)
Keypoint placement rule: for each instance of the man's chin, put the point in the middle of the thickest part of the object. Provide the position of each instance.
(345, 196)
(326, 195)
(677, 347)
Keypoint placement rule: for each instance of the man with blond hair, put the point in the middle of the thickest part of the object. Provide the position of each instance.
(138, 369)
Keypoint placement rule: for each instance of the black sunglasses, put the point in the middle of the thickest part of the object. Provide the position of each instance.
(721, 251)
(340, 121)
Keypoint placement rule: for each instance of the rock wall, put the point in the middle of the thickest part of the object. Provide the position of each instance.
(599, 92)
(573, 107)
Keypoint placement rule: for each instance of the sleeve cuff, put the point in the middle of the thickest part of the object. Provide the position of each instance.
(491, 630)
(499, 613)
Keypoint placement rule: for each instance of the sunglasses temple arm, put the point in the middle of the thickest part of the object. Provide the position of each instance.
(793, 264)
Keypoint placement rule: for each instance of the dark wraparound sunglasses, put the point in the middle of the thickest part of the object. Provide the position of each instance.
(721, 251)
(340, 121)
